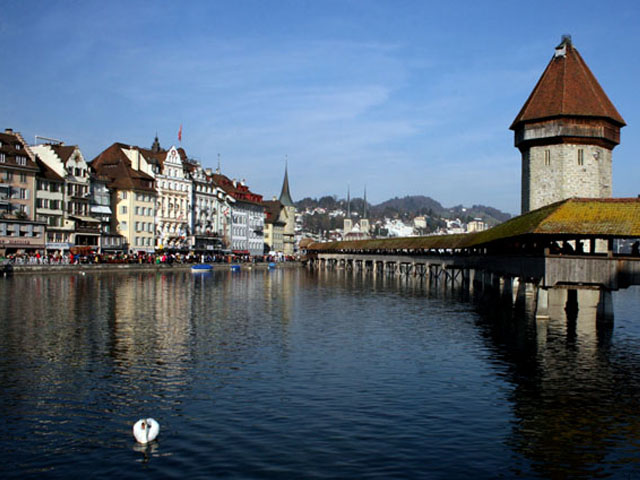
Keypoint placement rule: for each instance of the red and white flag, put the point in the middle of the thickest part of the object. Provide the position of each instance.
(180, 133)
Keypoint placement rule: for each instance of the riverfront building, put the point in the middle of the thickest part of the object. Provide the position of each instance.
(76, 226)
(211, 210)
(247, 216)
(174, 187)
(566, 132)
(133, 194)
(19, 228)
(274, 225)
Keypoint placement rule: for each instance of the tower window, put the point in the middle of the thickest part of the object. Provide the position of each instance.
(547, 157)
(581, 157)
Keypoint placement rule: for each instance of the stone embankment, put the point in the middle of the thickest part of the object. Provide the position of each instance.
(136, 267)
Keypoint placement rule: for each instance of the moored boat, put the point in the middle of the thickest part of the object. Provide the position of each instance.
(201, 268)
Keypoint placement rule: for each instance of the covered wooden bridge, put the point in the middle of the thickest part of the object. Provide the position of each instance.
(574, 250)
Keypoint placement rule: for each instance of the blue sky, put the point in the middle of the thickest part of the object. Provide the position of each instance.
(407, 97)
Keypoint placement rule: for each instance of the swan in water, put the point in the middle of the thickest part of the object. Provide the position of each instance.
(146, 430)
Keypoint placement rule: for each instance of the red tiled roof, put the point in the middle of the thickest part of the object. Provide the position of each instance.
(272, 211)
(115, 164)
(567, 88)
(9, 141)
(63, 151)
(238, 191)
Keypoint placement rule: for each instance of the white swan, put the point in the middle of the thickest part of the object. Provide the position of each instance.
(146, 430)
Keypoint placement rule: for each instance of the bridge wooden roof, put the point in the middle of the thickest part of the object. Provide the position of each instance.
(572, 218)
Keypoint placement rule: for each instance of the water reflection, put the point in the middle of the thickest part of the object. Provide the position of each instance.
(575, 394)
(289, 373)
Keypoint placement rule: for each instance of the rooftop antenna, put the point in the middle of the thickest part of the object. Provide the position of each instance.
(53, 141)
(218, 169)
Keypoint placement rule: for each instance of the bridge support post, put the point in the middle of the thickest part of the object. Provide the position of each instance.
(605, 306)
(470, 278)
(542, 304)
(506, 289)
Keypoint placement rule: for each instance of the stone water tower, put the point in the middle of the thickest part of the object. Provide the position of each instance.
(566, 132)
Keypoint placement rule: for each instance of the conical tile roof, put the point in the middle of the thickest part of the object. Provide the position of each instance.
(285, 195)
(567, 88)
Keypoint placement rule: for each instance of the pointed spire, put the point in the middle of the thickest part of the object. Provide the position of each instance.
(285, 195)
(155, 148)
(348, 201)
(364, 206)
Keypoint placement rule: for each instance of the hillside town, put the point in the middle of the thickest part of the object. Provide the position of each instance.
(132, 201)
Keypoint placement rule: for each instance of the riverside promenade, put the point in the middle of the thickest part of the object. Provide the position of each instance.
(137, 267)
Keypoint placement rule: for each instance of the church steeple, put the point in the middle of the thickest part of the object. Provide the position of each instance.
(364, 203)
(155, 148)
(285, 195)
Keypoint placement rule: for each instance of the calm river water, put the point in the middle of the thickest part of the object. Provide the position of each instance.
(290, 374)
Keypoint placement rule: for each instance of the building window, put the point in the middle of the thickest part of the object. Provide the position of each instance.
(23, 178)
(547, 157)
(123, 209)
(22, 161)
(2, 158)
(581, 157)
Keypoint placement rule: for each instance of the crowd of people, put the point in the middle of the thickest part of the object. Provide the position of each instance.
(168, 258)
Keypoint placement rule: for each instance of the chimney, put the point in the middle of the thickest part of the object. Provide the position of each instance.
(208, 171)
(8, 130)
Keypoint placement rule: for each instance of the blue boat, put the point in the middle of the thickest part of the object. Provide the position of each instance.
(272, 265)
(201, 268)
(235, 268)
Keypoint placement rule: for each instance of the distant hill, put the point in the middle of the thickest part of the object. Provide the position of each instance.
(409, 207)
(413, 205)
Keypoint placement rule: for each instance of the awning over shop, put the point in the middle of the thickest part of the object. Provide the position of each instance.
(101, 209)
(82, 218)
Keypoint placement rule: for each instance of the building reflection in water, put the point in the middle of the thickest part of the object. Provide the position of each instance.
(576, 390)
(105, 348)
(575, 387)
(151, 328)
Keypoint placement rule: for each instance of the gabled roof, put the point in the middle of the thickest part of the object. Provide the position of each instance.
(114, 164)
(567, 88)
(47, 172)
(571, 218)
(12, 145)
(63, 152)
